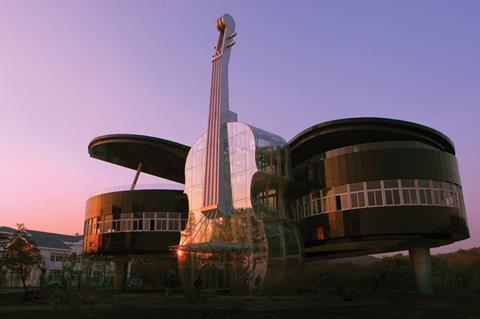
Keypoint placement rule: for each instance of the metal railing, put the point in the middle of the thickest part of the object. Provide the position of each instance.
(127, 187)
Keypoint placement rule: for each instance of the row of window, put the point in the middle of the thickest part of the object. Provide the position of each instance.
(378, 193)
(58, 257)
(129, 222)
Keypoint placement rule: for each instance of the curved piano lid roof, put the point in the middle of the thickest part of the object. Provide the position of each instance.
(350, 131)
(159, 157)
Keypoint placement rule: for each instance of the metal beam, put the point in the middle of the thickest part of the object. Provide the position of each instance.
(136, 176)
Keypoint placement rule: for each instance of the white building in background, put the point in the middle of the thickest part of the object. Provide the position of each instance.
(53, 247)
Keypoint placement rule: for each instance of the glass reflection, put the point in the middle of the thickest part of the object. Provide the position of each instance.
(246, 250)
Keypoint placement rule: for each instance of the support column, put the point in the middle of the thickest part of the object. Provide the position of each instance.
(420, 258)
(135, 179)
(120, 275)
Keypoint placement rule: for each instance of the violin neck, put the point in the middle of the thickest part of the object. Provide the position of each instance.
(217, 189)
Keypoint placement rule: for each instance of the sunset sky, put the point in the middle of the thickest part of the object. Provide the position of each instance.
(73, 70)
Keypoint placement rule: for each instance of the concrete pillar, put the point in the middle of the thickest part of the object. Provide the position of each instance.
(420, 258)
(120, 275)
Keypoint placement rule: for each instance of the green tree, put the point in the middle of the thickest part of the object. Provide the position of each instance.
(21, 256)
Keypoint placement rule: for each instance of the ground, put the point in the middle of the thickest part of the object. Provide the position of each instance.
(154, 305)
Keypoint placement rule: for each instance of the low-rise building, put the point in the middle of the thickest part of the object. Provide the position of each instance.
(55, 248)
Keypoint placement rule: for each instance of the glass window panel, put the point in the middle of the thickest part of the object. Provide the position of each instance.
(373, 185)
(161, 215)
(406, 196)
(149, 215)
(140, 224)
(338, 202)
(435, 197)
(428, 194)
(441, 198)
(354, 199)
(390, 184)
(361, 199)
(413, 196)
(356, 187)
(437, 184)
(378, 197)
(423, 200)
(371, 198)
(388, 197)
(396, 197)
(408, 183)
(173, 215)
(423, 183)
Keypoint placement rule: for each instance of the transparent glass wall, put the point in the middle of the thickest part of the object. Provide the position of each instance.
(255, 247)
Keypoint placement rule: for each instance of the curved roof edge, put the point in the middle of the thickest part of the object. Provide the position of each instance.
(349, 131)
(159, 157)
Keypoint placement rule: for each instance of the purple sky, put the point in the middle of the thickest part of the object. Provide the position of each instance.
(70, 71)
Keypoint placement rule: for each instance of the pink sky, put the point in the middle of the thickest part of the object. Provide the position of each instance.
(70, 71)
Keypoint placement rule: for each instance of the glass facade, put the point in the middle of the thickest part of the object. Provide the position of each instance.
(256, 247)
(377, 194)
(134, 222)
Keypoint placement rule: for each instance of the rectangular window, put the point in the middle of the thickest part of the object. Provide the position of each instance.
(135, 224)
(437, 184)
(422, 196)
(434, 197)
(423, 183)
(354, 199)
(378, 198)
(406, 197)
(428, 194)
(371, 198)
(373, 185)
(413, 196)
(161, 215)
(356, 187)
(140, 224)
(396, 197)
(388, 197)
(361, 199)
(338, 202)
(408, 183)
(390, 184)
(441, 198)
(152, 224)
